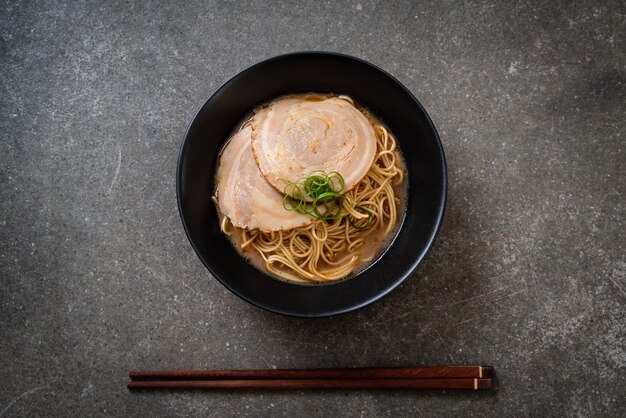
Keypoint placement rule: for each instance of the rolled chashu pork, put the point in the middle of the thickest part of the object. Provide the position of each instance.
(243, 194)
(284, 142)
(294, 136)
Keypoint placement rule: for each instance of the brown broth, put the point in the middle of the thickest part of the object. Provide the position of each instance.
(376, 240)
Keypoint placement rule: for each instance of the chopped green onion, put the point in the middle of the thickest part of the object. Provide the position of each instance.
(319, 195)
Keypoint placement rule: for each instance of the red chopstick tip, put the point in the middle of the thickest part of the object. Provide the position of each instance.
(483, 383)
(486, 372)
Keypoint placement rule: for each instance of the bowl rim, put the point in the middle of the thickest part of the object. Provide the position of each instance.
(411, 268)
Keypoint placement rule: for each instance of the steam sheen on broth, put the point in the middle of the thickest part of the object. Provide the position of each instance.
(269, 209)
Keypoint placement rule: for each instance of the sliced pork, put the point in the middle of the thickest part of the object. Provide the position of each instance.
(243, 194)
(293, 137)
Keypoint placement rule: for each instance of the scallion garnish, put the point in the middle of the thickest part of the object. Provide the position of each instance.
(319, 195)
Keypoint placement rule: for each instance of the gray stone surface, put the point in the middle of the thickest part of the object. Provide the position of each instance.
(528, 273)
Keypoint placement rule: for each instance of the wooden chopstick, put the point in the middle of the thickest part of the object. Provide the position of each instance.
(301, 384)
(443, 377)
(442, 372)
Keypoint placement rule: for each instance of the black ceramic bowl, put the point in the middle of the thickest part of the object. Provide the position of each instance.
(300, 73)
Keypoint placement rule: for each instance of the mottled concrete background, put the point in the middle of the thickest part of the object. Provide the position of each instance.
(528, 273)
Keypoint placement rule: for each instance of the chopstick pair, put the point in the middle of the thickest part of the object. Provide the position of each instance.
(442, 377)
